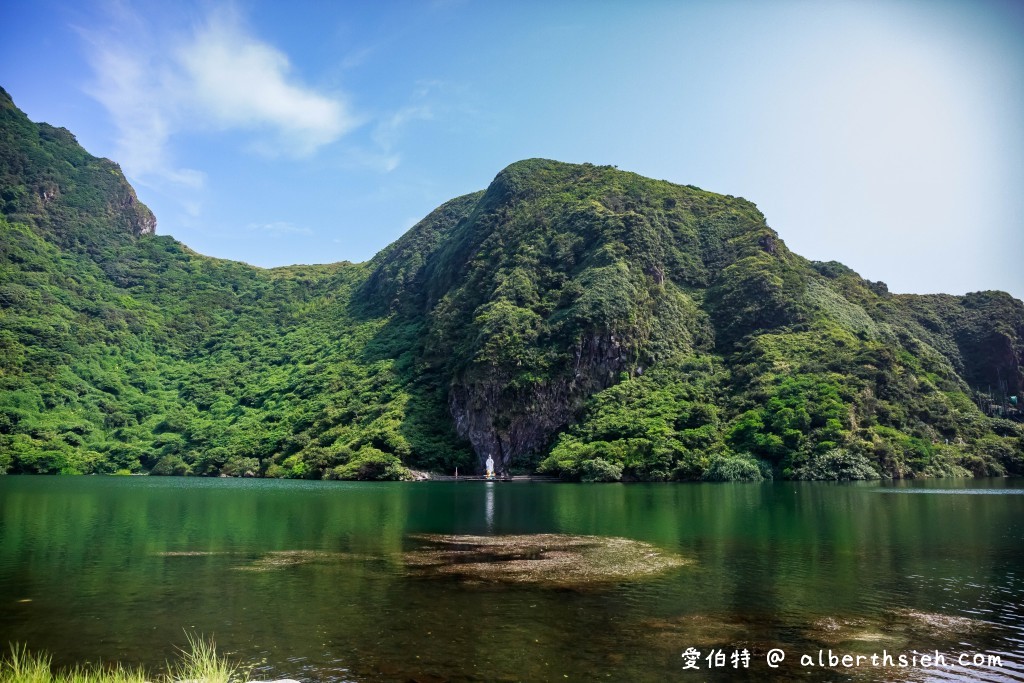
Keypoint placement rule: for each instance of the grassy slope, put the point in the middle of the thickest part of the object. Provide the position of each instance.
(199, 664)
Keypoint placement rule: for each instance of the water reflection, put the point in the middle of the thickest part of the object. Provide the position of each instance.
(489, 505)
(961, 492)
(310, 576)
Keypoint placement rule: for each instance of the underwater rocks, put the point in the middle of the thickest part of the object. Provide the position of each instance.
(557, 560)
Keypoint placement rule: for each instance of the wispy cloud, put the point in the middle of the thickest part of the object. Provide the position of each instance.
(137, 92)
(279, 229)
(214, 75)
(388, 131)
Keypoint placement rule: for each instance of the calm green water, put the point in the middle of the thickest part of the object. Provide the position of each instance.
(95, 568)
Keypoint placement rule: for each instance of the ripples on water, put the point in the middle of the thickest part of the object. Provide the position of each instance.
(311, 580)
(960, 492)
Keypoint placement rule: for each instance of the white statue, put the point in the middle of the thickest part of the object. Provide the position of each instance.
(490, 467)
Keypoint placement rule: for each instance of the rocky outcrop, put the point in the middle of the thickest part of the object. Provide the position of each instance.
(49, 180)
(505, 422)
(138, 216)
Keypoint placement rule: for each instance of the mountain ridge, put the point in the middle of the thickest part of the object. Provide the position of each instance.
(571, 318)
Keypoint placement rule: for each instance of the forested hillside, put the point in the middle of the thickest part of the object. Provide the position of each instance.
(571, 319)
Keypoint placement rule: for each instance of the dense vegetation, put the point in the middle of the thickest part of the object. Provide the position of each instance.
(574, 319)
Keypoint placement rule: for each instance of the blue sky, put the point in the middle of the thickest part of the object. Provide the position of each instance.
(886, 135)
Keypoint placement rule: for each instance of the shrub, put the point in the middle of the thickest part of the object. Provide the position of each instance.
(837, 464)
(372, 464)
(238, 466)
(170, 465)
(742, 467)
(599, 469)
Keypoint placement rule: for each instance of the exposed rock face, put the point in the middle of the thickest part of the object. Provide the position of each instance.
(505, 423)
(994, 358)
(139, 217)
(981, 334)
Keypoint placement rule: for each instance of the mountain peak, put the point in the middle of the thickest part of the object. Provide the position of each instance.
(49, 180)
(575, 318)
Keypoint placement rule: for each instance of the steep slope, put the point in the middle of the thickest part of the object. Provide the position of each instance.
(121, 350)
(558, 281)
(679, 334)
(50, 182)
(578, 319)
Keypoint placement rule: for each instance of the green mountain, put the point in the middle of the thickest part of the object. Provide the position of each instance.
(572, 319)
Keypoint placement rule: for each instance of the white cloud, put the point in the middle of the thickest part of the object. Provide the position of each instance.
(158, 84)
(242, 82)
(134, 90)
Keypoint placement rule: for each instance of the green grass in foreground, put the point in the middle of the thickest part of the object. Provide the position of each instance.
(198, 664)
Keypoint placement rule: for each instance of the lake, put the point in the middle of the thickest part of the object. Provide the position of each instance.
(332, 581)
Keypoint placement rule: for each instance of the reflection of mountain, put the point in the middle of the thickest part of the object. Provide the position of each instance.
(594, 322)
(315, 577)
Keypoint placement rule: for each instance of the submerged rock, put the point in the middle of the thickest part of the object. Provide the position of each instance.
(896, 628)
(545, 559)
(897, 631)
(934, 624)
(190, 553)
(851, 630)
(280, 559)
(709, 630)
